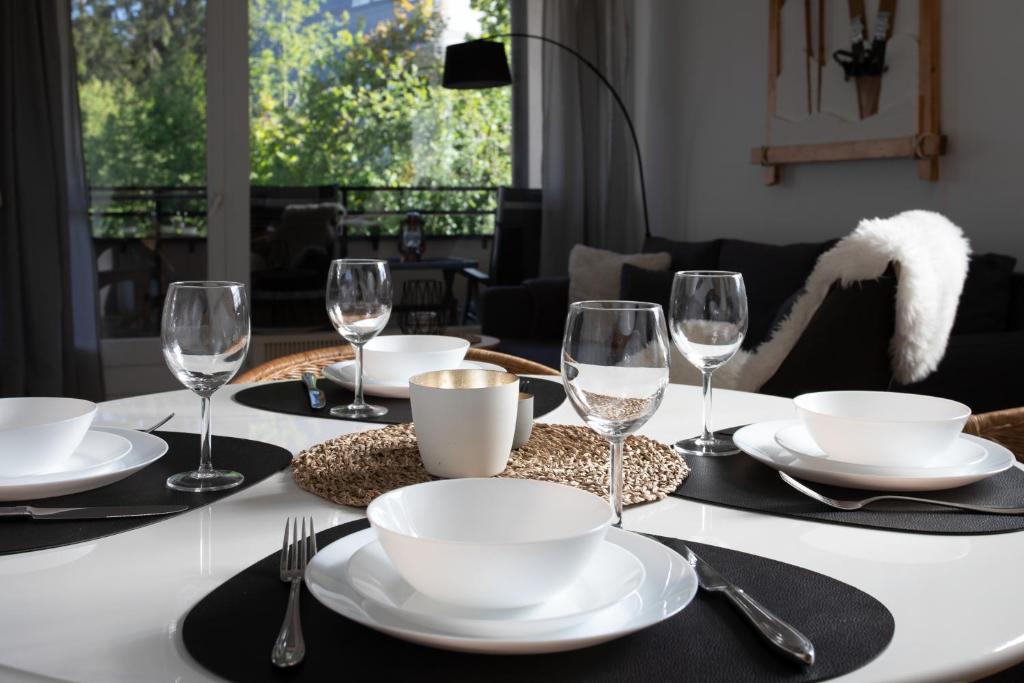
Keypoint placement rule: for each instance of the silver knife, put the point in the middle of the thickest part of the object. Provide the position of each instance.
(316, 396)
(95, 512)
(787, 639)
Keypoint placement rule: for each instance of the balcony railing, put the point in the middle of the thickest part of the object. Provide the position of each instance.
(147, 212)
(126, 213)
(146, 237)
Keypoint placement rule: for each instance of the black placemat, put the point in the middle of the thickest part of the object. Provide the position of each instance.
(231, 632)
(740, 481)
(292, 398)
(254, 459)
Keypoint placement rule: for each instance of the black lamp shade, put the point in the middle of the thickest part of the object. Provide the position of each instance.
(476, 64)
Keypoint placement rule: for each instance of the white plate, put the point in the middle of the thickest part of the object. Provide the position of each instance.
(963, 453)
(669, 585)
(343, 373)
(758, 441)
(96, 451)
(145, 449)
(611, 576)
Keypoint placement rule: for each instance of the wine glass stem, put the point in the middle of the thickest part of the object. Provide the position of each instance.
(615, 479)
(359, 376)
(205, 444)
(705, 377)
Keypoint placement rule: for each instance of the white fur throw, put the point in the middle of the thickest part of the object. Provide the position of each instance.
(931, 257)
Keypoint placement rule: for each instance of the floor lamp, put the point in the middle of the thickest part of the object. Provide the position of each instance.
(482, 64)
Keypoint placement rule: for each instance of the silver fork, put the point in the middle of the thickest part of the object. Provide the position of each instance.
(296, 552)
(858, 504)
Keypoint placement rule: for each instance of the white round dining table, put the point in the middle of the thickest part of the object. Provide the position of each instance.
(111, 609)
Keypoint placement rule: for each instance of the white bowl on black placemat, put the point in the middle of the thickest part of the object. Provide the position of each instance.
(758, 441)
(669, 586)
(88, 471)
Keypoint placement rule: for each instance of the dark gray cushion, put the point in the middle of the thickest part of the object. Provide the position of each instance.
(641, 284)
(686, 255)
(771, 273)
(981, 370)
(985, 301)
(1017, 302)
(845, 345)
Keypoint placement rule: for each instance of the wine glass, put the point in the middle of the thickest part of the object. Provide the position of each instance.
(708, 317)
(359, 305)
(205, 336)
(615, 368)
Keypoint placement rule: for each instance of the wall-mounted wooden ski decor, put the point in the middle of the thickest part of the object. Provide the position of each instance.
(842, 84)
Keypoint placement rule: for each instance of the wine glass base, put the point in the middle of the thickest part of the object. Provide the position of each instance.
(355, 412)
(194, 482)
(715, 446)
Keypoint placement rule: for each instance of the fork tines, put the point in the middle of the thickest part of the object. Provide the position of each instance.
(297, 548)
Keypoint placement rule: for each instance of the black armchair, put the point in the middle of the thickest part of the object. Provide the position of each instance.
(516, 251)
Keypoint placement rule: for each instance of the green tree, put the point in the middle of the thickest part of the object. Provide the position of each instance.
(494, 16)
(142, 86)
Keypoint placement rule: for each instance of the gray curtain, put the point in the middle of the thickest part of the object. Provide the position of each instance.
(49, 341)
(589, 167)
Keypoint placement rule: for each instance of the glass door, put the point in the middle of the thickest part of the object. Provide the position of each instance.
(142, 90)
(352, 139)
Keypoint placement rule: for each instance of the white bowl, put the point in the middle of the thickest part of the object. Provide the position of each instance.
(490, 543)
(396, 358)
(882, 428)
(38, 433)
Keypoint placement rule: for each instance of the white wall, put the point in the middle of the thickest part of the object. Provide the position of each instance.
(701, 70)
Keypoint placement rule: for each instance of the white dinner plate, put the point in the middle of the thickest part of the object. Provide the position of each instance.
(669, 585)
(344, 373)
(758, 441)
(611, 576)
(963, 453)
(97, 451)
(144, 450)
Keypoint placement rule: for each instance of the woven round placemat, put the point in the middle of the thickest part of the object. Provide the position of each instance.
(356, 468)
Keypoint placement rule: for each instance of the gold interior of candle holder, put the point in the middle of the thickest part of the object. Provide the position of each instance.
(463, 379)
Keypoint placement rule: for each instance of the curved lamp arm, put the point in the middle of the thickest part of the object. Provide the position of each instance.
(615, 94)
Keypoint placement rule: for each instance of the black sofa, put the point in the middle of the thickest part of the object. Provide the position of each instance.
(982, 367)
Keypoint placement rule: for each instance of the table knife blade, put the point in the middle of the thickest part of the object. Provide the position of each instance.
(776, 631)
(92, 512)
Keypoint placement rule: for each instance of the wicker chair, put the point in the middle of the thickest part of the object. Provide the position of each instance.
(1002, 426)
(292, 367)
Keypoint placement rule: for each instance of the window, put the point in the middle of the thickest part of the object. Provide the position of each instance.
(142, 89)
(349, 130)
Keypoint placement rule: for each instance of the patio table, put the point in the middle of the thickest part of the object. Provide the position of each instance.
(110, 609)
(449, 267)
